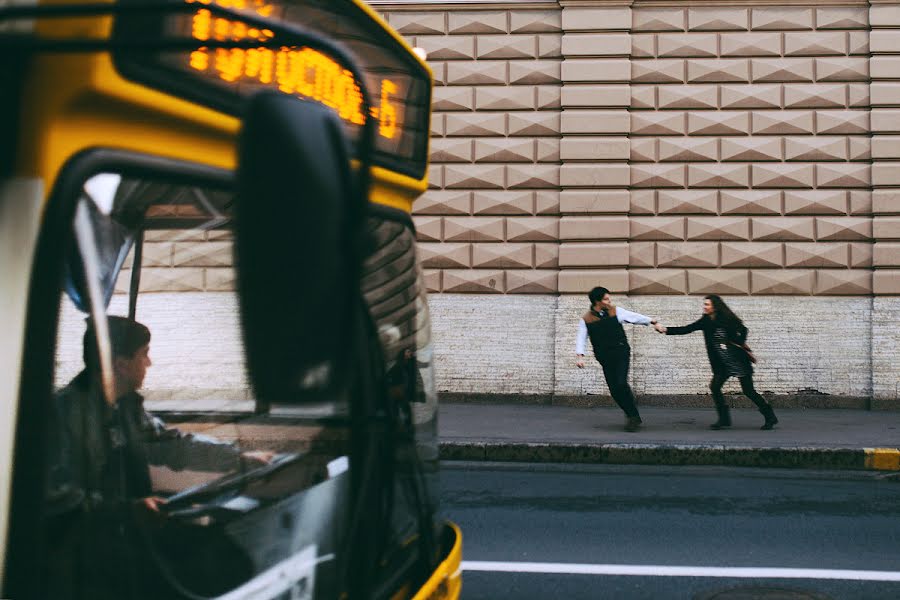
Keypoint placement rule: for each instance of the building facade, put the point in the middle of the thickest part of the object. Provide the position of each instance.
(665, 149)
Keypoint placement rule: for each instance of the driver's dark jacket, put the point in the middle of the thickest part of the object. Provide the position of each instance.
(105, 452)
(99, 460)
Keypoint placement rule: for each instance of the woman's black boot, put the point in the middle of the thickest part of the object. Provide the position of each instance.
(724, 416)
(771, 419)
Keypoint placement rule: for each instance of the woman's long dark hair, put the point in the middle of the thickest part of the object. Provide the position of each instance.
(724, 314)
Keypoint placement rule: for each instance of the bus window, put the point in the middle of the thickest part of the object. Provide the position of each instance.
(166, 484)
(397, 301)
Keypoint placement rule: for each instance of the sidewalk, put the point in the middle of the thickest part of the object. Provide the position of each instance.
(804, 438)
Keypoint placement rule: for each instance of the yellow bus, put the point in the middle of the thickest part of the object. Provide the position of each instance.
(216, 373)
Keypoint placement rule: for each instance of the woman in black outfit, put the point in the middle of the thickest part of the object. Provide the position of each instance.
(725, 336)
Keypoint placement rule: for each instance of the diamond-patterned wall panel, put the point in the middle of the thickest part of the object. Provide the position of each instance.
(842, 69)
(507, 46)
(794, 282)
(453, 98)
(718, 281)
(482, 72)
(860, 148)
(844, 283)
(434, 202)
(657, 176)
(504, 98)
(474, 281)
(750, 202)
(748, 149)
(657, 228)
(750, 96)
(476, 124)
(643, 149)
(815, 96)
(534, 72)
(688, 96)
(205, 254)
(751, 44)
(643, 46)
(657, 281)
(687, 254)
(717, 19)
(782, 69)
(643, 96)
(642, 202)
(429, 229)
(451, 150)
(537, 229)
(815, 148)
(432, 280)
(658, 19)
(474, 176)
(503, 203)
(687, 202)
(771, 122)
(816, 255)
(642, 254)
(842, 17)
(473, 229)
(508, 256)
(819, 43)
(688, 149)
(418, 23)
(504, 150)
(530, 21)
(844, 175)
(155, 255)
(532, 282)
(843, 228)
(718, 228)
(532, 176)
(719, 123)
(862, 255)
(447, 47)
(444, 256)
(546, 150)
(783, 228)
(718, 70)
(719, 175)
(815, 202)
(657, 123)
(752, 254)
(842, 121)
(671, 45)
(534, 124)
(546, 256)
(183, 279)
(783, 175)
(477, 22)
(657, 71)
(781, 18)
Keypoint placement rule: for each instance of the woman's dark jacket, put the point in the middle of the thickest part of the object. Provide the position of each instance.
(729, 360)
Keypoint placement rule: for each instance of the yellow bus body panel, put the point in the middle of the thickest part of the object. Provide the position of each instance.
(446, 581)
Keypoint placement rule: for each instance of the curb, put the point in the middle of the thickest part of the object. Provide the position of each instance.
(882, 459)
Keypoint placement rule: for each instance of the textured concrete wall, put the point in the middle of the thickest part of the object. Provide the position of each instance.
(703, 147)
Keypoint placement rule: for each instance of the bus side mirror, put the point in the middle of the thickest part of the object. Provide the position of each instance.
(293, 229)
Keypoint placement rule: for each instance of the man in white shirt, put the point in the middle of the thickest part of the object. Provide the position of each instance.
(603, 325)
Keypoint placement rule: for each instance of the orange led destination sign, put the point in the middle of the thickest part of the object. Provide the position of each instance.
(303, 72)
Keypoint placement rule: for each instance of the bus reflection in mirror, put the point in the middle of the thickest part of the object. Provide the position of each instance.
(294, 240)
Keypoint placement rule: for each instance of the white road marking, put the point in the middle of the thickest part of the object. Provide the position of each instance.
(681, 571)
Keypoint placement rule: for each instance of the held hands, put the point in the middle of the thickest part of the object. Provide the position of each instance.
(659, 328)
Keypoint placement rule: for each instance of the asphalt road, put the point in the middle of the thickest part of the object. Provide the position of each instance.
(591, 532)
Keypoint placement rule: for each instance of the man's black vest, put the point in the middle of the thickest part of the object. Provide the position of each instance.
(606, 333)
